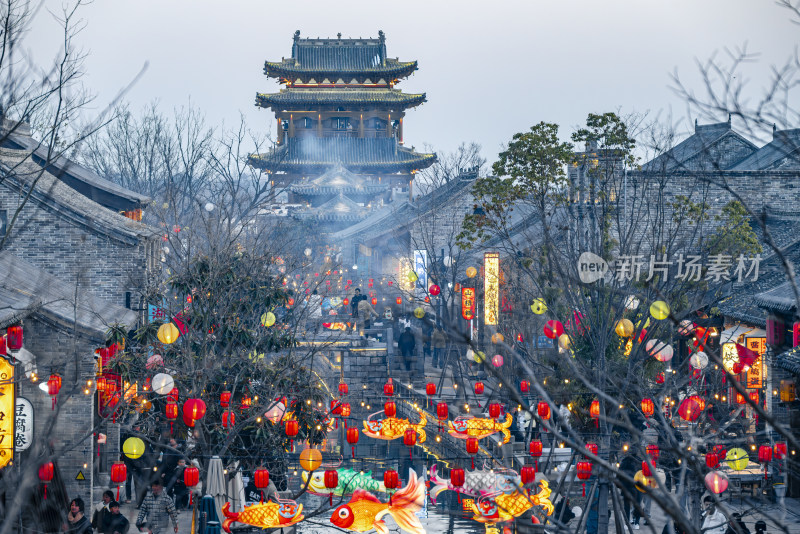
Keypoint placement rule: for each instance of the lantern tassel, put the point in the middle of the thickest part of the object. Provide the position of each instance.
(584, 488)
(330, 498)
(353, 450)
(473, 463)
(45, 491)
(117, 492)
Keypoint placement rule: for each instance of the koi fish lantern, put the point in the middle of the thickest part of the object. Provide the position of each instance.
(474, 483)
(390, 428)
(477, 427)
(501, 508)
(349, 481)
(283, 513)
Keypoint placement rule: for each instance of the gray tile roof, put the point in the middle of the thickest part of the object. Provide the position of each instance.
(339, 208)
(337, 180)
(26, 289)
(789, 360)
(784, 143)
(374, 97)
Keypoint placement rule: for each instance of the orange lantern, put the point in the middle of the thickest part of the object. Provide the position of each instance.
(648, 407)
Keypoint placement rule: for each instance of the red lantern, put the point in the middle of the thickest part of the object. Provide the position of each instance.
(194, 409)
(524, 386)
(388, 388)
(494, 410)
(228, 419)
(374, 301)
(764, 457)
(457, 477)
(173, 395)
(434, 290)
(780, 450)
(409, 440)
(391, 480)
(399, 300)
(442, 411)
(535, 448)
(430, 389)
(594, 412)
(716, 482)
(336, 408)
(3, 348)
(553, 329)
(119, 473)
(345, 409)
(292, 428)
(654, 452)
(191, 476)
(712, 460)
(261, 480)
(472, 449)
(648, 407)
(543, 410)
(188, 421)
(520, 338)
(346, 302)
(46, 472)
(225, 399)
(352, 439)
(660, 378)
(14, 337)
(343, 389)
(390, 409)
(171, 412)
(689, 409)
(646, 470)
(584, 471)
(592, 447)
(53, 387)
(527, 474)
(478, 388)
(740, 399)
(753, 397)
(246, 403)
(331, 481)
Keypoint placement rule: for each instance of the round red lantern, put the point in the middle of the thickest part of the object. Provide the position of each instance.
(434, 290)
(648, 407)
(352, 439)
(457, 477)
(712, 460)
(388, 388)
(543, 410)
(494, 410)
(584, 472)
(780, 450)
(716, 482)
(524, 386)
(225, 399)
(194, 409)
(430, 389)
(592, 447)
(343, 389)
(346, 302)
(53, 387)
(188, 421)
(46, 473)
(399, 300)
(479, 388)
(553, 329)
(391, 480)
(228, 419)
(291, 429)
(331, 481)
(653, 452)
(527, 474)
(390, 408)
(14, 337)
(119, 473)
(409, 440)
(689, 409)
(472, 449)
(173, 395)
(374, 301)
(191, 476)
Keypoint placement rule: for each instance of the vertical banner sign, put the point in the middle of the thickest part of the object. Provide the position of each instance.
(421, 268)
(468, 303)
(23, 424)
(755, 375)
(7, 410)
(491, 287)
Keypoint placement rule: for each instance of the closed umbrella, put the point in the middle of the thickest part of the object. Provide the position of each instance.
(215, 484)
(236, 491)
(208, 513)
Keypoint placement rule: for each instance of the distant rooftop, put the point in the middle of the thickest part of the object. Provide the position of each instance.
(783, 152)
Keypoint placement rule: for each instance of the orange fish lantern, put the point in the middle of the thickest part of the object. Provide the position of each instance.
(477, 427)
(500, 508)
(364, 511)
(283, 513)
(391, 428)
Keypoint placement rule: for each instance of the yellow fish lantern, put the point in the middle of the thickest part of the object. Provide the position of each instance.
(391, 428)
(476, 427)
(499, 508)
(283, 513)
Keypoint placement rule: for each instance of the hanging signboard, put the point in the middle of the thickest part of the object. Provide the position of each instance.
(421, 268)
(491, 287)
(468, 303)
(755, 375)
(23, 424)
(6, 411)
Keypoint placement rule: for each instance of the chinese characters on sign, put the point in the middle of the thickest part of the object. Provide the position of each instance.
(6, 412)
(23, 424)
(691, 268)
(491, 287)
(755, 375)
(468, 303)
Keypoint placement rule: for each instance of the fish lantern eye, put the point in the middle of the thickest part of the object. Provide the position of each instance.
(344, 513)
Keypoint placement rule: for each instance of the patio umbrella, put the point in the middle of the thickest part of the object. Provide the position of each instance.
(208, 512)
(236, 491)
(215, 484)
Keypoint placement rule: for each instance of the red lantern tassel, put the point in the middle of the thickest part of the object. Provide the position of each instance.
(584, 489)
(330, 498)
(473, 463)
(353, 450)
(45, 491)
(117, 493)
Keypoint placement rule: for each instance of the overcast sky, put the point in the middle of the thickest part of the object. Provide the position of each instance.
(489, 68)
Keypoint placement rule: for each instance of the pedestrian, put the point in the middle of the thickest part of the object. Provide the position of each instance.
(761, 527)
(157, 508)
(736, 525)
(406, 344)
(118, 524)
(714, 521)
(562, 512)
(102, 512)
(357, 297)
(592, 519)
(629, 466)
(314, 317)
(427, 333)
(439, 347)
(177, 486)
(365, 313)
(76, 520)
(170, 455)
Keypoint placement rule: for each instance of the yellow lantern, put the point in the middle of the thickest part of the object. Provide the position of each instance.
(479, 357)
(497, 338)
(133, 448)
(310, 459)
(624, 328)
(471, 272)
(642, 482)
(659, 310)
(412, 276)
(539, 307)
(419, 313)
(737, 459)
(168, 333)
(268, 319)
(564, 341)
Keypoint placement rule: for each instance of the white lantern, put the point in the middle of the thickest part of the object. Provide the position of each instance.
(659, 350)
(699, 360)
(631, 302)
(470, 355)
(163, 384)
(448, 261)
(275, 414)
(307, 252)
(209, 207)
(686, 327)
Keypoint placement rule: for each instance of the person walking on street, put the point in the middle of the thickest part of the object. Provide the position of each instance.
(358, 297)
(439, 346)
(102, 512)
(629, 466)
(406, 344)
(157, 508)
(117, 524)
(366, 312)
(76, 520)
(714, 521)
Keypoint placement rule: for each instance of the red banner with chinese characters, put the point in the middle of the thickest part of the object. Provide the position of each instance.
(755, 375)
(468, 303)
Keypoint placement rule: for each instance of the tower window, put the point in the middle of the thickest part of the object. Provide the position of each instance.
(341, 123)
(308, 123)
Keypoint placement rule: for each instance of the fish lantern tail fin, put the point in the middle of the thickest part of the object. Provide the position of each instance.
(230, 517)
(406, 502)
